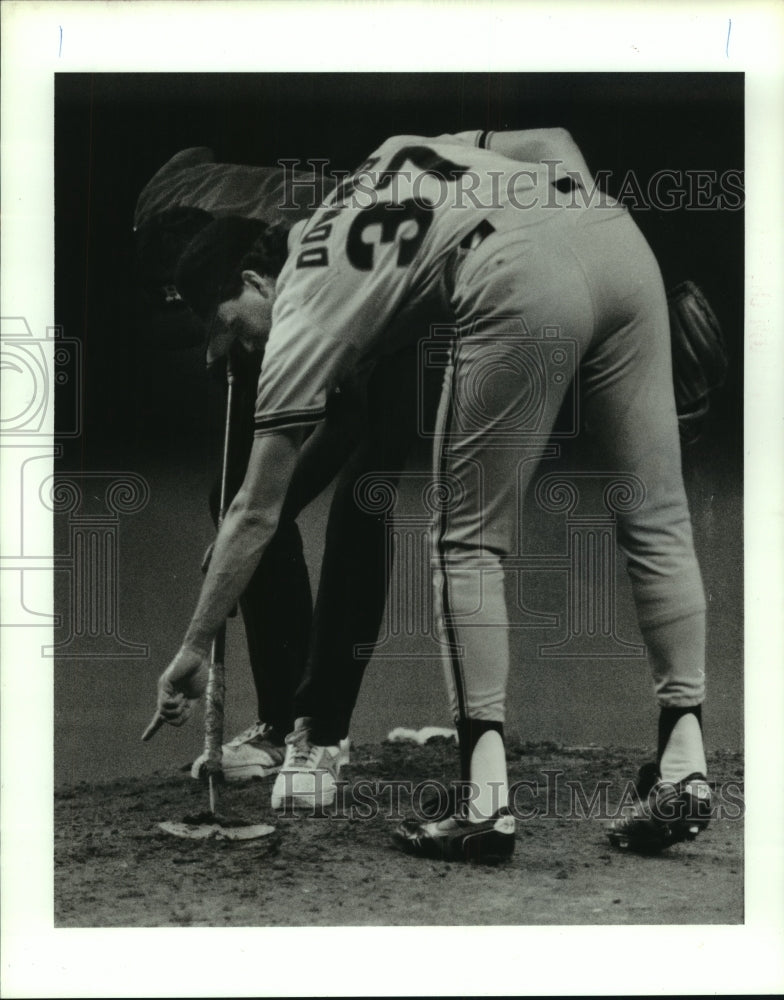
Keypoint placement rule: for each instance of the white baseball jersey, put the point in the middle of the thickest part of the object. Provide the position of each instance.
(381, 241)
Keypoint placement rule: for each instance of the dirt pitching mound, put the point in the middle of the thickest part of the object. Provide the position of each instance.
(115, 867)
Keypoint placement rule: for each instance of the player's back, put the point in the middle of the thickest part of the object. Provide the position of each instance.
(384, 240)
(384, 235)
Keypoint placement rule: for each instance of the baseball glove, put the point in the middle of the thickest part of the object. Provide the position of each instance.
(699, 358)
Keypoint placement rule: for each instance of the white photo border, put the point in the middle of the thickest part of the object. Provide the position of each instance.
(42, 39)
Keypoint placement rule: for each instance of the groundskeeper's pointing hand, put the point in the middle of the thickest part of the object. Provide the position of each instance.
(183, 682)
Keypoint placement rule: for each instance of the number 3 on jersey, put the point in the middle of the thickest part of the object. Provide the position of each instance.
(361, 254)
(414, 213)
(392, 216)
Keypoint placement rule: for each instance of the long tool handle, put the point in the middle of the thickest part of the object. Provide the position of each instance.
(216, 683)
(213, 717)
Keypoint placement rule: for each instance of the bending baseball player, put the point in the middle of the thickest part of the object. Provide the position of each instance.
(514, 250)
(305, 667)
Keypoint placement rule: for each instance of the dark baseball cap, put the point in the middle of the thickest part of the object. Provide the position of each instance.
(206, 274)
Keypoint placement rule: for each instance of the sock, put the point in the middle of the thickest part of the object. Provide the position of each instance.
(681, 750)
(483, 764)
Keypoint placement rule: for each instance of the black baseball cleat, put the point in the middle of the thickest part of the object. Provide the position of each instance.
(667, 813)
(456, 839)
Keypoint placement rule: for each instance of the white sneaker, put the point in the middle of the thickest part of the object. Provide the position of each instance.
(252, 754)
(310, 773)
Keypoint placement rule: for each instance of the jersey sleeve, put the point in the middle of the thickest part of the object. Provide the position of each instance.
(304, 362)
(476, 137)
(552, 145)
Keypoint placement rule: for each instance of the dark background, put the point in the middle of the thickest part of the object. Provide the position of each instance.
(151, 411)
(113, 131)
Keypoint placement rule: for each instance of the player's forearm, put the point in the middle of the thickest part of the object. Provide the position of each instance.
(238, 550)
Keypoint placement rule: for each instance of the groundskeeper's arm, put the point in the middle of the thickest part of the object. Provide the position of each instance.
(247, 528)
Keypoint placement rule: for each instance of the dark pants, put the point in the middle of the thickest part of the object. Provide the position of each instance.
(320, 663)
(357, 560)
(276, 610)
